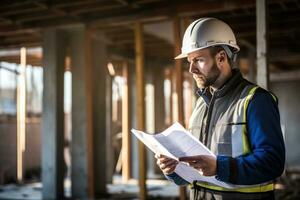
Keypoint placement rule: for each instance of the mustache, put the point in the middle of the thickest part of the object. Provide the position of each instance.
(197, 76)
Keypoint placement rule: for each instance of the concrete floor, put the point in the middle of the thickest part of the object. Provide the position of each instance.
(157, 189)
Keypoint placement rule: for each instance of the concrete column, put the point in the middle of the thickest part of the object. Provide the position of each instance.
(261, 37)
(82, 119)
(110, 168)
(101, 127)
(89, 74)
(53, 114)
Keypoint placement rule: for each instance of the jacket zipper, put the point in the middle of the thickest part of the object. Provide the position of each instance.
(208, 119)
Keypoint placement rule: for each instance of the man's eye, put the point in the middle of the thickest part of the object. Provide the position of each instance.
(199, 60)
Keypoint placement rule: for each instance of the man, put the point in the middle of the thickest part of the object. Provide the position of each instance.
(237, 120)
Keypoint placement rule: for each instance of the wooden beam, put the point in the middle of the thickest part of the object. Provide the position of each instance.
(95, 8)
(169, 77)
(23, 10)
(72, 3)
(21, 38)
(262, 62)
(14, 46)
(163, 9)
(140, 87)
(178, 70)
(14, 5)
(21, 115)
(126, 144)
(38, 17)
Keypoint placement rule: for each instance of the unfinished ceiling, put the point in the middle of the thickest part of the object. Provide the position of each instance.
(22, 22)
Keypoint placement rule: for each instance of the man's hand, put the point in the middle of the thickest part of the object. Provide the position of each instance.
(203, 163)
(166, 164)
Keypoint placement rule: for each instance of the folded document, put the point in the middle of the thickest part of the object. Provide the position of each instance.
(176, 142)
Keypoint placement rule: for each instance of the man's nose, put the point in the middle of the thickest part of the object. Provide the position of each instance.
(193, 67)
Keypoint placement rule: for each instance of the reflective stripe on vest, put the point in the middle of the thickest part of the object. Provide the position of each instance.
(246, 147)
(240, 146)
(248, 189)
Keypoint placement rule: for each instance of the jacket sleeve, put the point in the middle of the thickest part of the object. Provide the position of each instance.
(267, 157)
(176, 179)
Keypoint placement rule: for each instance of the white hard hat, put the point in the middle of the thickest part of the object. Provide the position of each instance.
(207, 32)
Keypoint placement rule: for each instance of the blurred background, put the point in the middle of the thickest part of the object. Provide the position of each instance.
(77, 75)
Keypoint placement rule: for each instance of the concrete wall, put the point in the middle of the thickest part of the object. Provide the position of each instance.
(8, 149)
(289, 107)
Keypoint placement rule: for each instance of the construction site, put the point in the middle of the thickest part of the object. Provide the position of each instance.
(77, 75)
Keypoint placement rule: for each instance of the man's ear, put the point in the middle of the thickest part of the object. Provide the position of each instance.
(221, 56)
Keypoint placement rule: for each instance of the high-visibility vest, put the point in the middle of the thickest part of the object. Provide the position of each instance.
(222, 127)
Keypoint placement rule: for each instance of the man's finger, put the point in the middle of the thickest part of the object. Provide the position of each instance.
(190, 158)
(169, 170)
(169, 164)
(158, 156)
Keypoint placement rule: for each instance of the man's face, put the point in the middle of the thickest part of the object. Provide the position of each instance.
(203, 67)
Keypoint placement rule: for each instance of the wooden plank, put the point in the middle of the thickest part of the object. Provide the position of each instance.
(126, 151)
(140, 87)
(159, 100)
(161, 10)
(178, 70)
(168, 75)
(179, 86)
(261, 37)
(21, 115)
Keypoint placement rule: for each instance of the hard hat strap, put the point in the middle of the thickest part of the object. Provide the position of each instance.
(230, 54)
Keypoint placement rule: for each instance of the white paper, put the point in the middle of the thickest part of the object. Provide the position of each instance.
(176, 142)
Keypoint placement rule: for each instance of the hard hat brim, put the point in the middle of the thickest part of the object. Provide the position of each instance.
(182, 55)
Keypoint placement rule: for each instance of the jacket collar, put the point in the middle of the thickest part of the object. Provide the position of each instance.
(232, 82)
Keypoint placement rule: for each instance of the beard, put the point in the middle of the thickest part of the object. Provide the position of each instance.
(204, 80)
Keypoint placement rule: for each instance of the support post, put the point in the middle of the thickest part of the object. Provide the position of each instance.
(159, 109)
(109, 146)
(261, 36)
(99, 117)
(53, 114)
(82, 175)
(21, 115)
(126, 140)
(140, 87)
